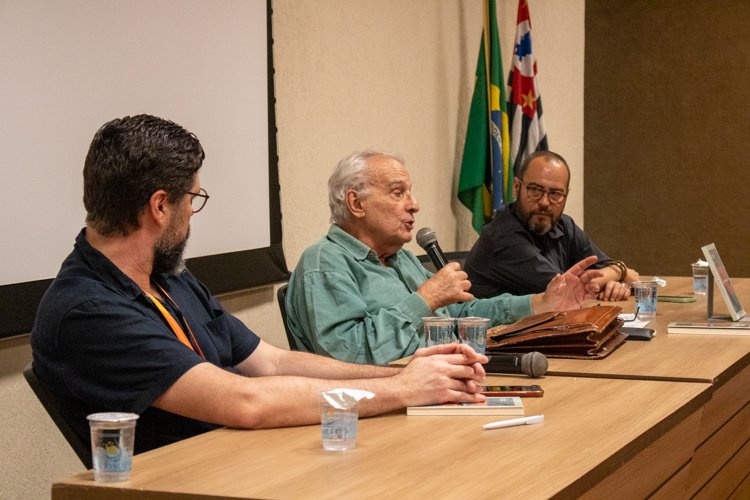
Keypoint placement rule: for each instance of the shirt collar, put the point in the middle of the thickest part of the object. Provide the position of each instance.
(556, 232)
(105, 268)
(352, 245)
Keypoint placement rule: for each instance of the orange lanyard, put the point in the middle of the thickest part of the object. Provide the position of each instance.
(174, 324)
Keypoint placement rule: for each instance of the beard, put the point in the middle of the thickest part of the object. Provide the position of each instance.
(540, 227)
(169, 256)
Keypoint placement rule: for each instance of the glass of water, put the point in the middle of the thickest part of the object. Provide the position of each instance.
(645, 299)
(473, 331)
(338, 425)
(438, 330)
(700, 279)
(112, 442)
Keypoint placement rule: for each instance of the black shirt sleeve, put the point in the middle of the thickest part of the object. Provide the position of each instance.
(580, 246)
(119, 357)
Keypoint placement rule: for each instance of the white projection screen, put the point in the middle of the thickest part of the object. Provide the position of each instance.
(69, 66)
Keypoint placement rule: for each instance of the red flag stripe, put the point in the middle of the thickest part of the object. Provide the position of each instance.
(523, 13)
(524, 93)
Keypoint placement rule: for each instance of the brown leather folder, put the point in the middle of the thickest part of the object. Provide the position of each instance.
(588, 333)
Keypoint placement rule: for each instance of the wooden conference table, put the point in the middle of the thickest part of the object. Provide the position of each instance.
(691, 358)
(650, 430)
(591, 427)
(722, 457)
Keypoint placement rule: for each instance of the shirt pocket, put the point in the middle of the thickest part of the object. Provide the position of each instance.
(218, 331)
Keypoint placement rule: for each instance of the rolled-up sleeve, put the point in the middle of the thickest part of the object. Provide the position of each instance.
(501, 310)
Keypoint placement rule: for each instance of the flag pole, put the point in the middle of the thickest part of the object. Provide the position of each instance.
(487, 84)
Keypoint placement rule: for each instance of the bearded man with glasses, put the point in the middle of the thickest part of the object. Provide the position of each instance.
(531, 241)
(125, 327)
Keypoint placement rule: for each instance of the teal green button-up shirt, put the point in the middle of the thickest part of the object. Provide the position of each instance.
(343, 303)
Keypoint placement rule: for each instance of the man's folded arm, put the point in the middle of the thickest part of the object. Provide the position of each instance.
(208, 393)
(211, 394)
(268, 360)
(612, 271)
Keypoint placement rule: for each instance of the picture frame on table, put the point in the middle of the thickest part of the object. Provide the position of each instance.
(720, 275)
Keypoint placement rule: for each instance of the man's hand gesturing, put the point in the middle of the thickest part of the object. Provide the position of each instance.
(446, 287)
(567, 291)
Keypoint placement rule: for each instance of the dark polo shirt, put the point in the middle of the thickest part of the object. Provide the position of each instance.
(509, 259)
(100, 344)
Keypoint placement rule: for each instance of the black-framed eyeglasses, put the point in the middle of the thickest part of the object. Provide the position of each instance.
(635, 315)
(535, 193)
(199, 200)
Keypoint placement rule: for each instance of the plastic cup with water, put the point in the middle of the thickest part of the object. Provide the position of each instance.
(473, 331)
(700, 279)
(645, 299)
(339, 410)
(438, 330)
(112, 442)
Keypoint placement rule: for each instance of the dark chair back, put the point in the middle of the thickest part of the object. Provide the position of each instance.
(81, 448)
(281, 295)
(459, 257)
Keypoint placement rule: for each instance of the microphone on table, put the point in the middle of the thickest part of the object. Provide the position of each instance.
(533, 364)
(427, 239)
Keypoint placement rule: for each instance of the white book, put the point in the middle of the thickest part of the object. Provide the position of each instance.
(493, 406)
(716, 328)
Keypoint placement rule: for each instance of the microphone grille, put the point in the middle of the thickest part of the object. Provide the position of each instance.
(534, 364)
(425, 236)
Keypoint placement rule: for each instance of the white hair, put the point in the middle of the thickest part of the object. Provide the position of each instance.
(351, 175)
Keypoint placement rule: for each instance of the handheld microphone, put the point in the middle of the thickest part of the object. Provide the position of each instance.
(533, 364)
(427, 239)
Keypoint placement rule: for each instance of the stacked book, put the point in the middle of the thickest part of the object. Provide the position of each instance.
(715, 328)
(493, 406)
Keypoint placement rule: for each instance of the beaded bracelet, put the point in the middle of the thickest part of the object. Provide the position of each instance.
(623, 268)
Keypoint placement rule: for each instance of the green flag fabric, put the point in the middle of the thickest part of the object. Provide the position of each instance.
(485, 183)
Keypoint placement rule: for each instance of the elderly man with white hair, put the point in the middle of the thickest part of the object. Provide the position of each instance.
(358, 296)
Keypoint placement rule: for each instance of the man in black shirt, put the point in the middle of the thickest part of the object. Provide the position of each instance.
(126, 328)
(530, 241)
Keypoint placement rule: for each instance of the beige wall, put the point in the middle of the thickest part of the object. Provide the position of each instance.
(392, 74)
(399, 75)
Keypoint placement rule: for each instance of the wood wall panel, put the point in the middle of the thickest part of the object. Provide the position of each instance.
(743, 491)
(676, 487)
(729, 478)
(667, 118)
(727, 400)
(718, 451)
(653, 467)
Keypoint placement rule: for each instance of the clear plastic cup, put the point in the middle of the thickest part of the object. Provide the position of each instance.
(338, 426)
(645, 299)
(112, 441)
(438, 330)
(473, 331)
(700, 279)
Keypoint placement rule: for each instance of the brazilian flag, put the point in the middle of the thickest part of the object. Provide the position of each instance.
(486, 181)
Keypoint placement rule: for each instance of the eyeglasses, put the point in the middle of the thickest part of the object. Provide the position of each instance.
(535, 193)
(199, 200)
(635, 315)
